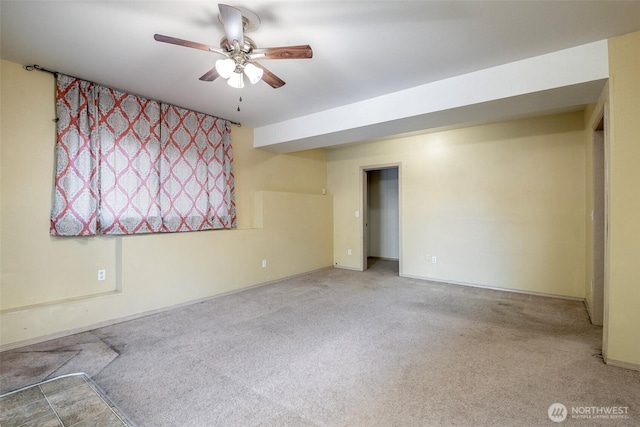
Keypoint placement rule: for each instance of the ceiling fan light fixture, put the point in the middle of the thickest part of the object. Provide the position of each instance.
(254, 74)
(225, 67)
(240, 51)
(236, 80)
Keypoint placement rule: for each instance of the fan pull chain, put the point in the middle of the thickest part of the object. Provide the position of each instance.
(239, 101)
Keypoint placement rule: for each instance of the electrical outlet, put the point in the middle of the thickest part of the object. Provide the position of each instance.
(102, 275)
(348, 251)
(434, 260)
(264, 263)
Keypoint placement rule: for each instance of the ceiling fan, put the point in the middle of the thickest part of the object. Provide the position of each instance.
(240, 51)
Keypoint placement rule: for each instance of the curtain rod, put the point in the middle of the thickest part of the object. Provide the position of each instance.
(39, 68)
(55, 73)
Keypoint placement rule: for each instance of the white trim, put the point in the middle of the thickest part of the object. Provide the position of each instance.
(496, 288)
(589, 311)
(363, 200)
(344, 267)
(624, 365)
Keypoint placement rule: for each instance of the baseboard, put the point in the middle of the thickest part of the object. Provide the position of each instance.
(496, 288)
(586, 305)
(68, 332)
(344, 267)
(624, 365)
(589, 309)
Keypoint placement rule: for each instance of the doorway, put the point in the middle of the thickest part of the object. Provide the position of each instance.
(381, 216)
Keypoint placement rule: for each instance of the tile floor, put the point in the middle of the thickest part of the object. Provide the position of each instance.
(71, 400)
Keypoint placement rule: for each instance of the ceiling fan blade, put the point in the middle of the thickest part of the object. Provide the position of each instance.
(210, 75)
(187, 43)
(284, 52)
(270, 78)
(232, 22)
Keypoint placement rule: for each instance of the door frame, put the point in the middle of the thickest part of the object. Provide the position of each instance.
(598, 226)
(601, 115)
(364, 210)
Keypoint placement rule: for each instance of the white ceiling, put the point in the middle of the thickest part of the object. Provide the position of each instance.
(362, 49)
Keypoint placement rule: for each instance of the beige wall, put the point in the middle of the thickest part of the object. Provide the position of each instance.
(49, 285)
(623, 328)
(500, 205)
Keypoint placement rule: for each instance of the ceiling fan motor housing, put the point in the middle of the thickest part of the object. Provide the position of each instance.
(247, 47)
(239, 54)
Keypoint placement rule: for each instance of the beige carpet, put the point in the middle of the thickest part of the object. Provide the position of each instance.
(343, 348)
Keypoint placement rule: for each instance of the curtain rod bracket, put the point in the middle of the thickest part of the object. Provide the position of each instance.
(39, 68)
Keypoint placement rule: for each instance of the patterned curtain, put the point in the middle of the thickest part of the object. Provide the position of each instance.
(129, 135)
(196, 174)
(75, 201)
(127, 165)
